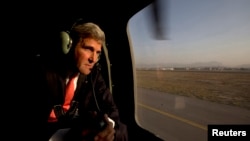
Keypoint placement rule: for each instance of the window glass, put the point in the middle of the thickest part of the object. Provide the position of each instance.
(192, 67)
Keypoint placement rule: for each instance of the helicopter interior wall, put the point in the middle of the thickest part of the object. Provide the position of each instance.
(41, 23)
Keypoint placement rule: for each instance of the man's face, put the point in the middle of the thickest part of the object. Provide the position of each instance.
(87, 52)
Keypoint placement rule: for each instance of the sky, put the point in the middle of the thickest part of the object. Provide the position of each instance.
(195, 31)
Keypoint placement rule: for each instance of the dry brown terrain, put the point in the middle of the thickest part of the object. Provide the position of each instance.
(232, 88)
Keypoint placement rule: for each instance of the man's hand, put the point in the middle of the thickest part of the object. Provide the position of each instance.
(108, 134)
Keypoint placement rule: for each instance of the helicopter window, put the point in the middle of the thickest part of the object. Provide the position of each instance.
(197, 73)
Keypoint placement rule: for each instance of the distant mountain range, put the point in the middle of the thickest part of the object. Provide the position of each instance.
(195, 65)
(244, 66)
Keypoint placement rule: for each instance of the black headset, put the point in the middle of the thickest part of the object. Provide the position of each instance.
(66, 39)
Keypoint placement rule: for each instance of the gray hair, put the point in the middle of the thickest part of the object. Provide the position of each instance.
(87, 30)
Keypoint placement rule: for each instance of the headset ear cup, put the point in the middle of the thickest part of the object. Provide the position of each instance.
(66, 41)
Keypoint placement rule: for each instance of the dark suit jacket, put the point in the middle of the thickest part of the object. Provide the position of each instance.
(53, 87)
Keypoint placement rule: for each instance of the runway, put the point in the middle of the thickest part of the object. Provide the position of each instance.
(179, 118)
